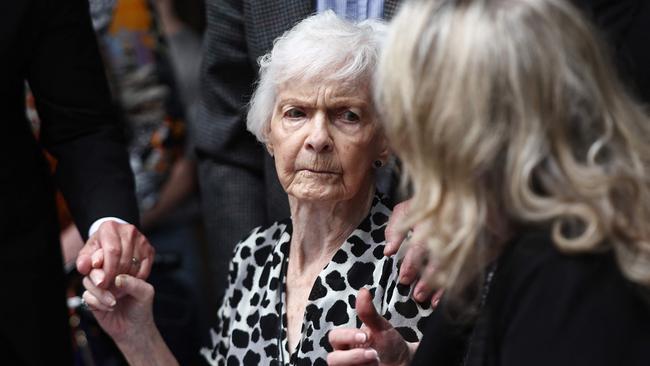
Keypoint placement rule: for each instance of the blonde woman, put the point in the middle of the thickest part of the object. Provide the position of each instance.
(530, 167)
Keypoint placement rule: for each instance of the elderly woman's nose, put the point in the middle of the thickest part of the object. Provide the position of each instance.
(319, 138)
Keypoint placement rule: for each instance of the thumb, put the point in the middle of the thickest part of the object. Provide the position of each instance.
(368, 314)
(140, 290)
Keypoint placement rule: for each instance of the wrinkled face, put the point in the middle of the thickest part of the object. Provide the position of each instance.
(324, 139)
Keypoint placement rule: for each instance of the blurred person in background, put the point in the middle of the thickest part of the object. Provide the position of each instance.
(237, 178)
(52, 47)
(529, 163)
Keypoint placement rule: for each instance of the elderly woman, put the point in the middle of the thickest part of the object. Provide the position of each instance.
(293, 282)
(529, 164)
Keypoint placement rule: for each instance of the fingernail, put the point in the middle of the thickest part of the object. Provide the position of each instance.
(95, 259)
(420, 296)
(118, 281)
(360, 337)
(97, 277)
(110, 300)
(371, 355)
(435, 302)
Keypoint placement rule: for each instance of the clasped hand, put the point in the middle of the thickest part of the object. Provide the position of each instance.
(114, 261)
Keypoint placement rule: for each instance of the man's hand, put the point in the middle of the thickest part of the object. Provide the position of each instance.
(377, 343)
(116, 249)
(415, 266)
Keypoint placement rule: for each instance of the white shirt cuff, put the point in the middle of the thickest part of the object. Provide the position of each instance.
(95, 226)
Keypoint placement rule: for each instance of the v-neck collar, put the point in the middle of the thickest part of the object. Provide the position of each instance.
(362, 235)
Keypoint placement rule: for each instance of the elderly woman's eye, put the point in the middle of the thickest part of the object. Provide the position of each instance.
(294, 113)
(350, 116)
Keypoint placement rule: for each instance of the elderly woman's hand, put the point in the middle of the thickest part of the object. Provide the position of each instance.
(376, 343)
(415, 265)
(128, 319)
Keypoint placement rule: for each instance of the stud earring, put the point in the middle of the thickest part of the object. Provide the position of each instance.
(378, 164)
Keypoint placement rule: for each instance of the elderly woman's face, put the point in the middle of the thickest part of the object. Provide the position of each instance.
(324, 139)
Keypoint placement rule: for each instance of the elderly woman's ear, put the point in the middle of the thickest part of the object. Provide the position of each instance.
(384, 152)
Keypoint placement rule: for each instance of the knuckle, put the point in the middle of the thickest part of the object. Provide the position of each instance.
(407, 265)
(110, 224)
(113, 250)
(132, 231)
(406, 273)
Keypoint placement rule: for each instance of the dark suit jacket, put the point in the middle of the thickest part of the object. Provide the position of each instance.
(51, 45)
(546, 308)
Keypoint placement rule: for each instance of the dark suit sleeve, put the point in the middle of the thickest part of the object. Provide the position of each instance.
(79, 126)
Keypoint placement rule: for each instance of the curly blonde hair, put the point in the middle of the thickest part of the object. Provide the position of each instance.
(508, 113)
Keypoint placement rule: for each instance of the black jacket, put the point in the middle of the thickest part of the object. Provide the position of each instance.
(51, 45)
(546, 308)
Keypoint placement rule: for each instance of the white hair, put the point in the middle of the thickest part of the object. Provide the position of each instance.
(322, 47)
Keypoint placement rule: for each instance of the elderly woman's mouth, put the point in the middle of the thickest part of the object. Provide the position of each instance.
(319, 172)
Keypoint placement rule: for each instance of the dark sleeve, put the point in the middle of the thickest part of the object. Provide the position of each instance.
(625, 25)
(227, 80)
(567, 310)
(444, 341)
(78, 122)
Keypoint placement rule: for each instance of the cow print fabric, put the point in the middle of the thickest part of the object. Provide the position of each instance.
(248, 330)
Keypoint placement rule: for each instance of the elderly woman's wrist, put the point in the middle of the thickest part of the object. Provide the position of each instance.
(146, 348)
(138, 339)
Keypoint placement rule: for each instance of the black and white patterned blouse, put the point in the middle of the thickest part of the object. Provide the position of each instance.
(249, 331)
